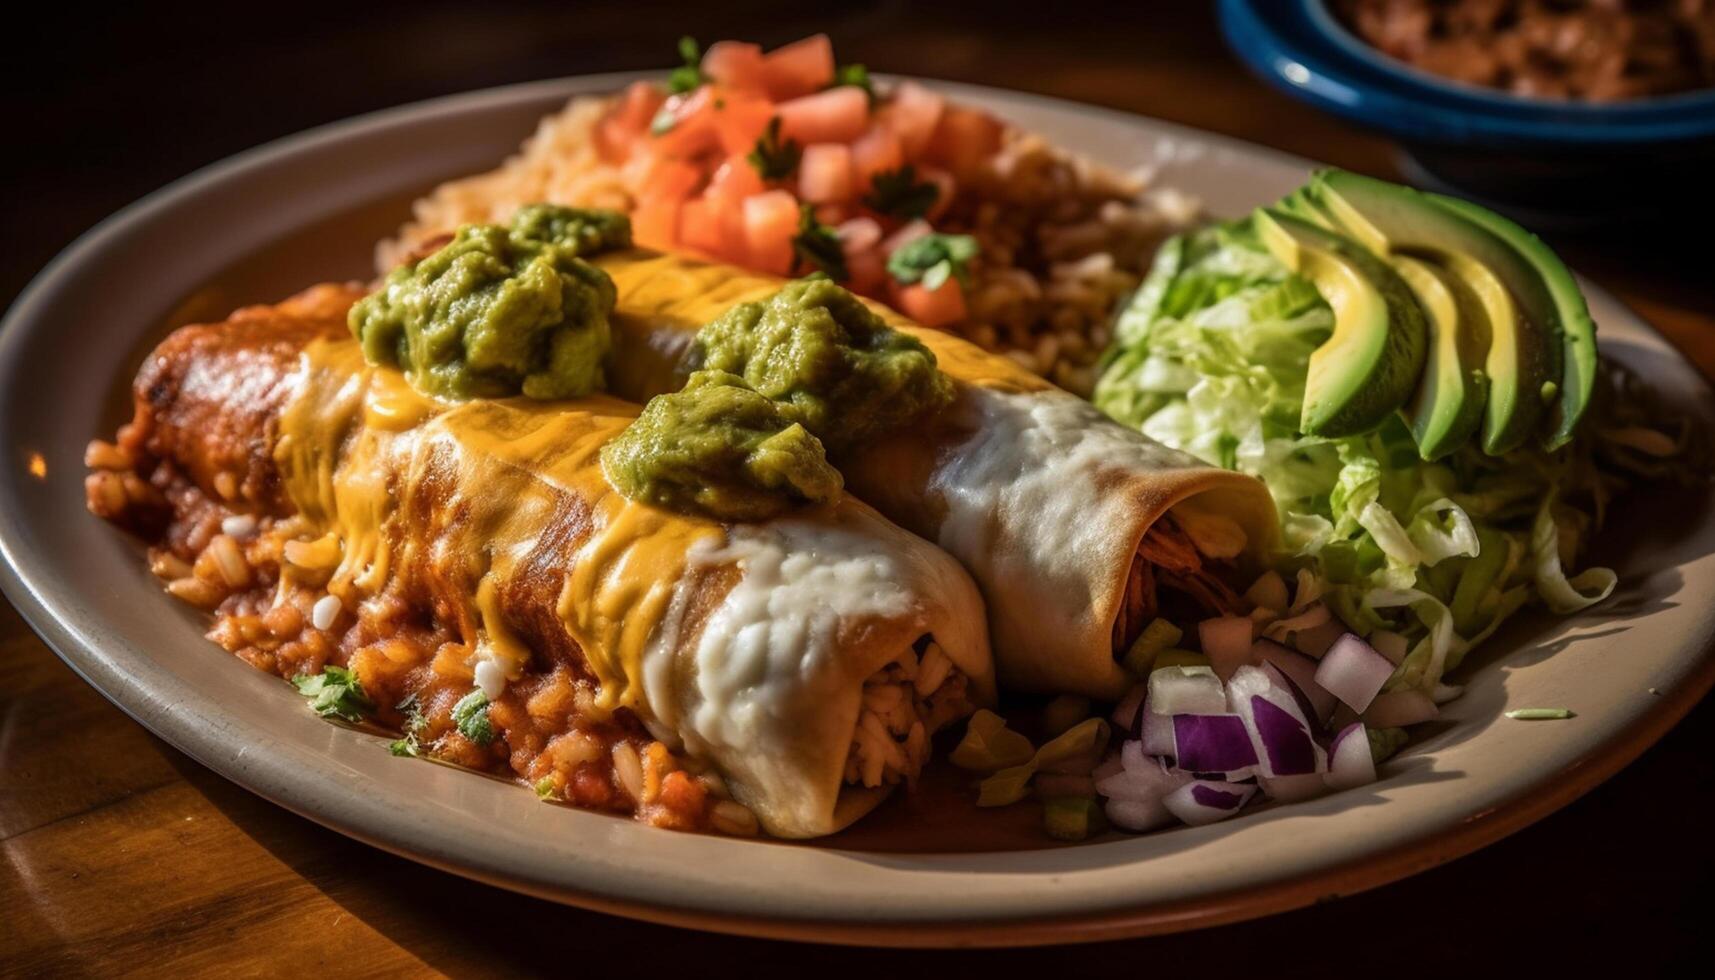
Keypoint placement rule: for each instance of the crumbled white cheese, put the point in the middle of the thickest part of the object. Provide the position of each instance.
(778, 626)
(491, 677)
(324, 612)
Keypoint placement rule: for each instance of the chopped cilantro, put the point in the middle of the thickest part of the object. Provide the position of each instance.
(334, 693)
(817, 247)
(688, 76)
(933, 259)
(899, 193)
(775, 158)
(856, 76)
(471, 715)
(414, 725)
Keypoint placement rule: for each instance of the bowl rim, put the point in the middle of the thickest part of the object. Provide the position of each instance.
(1302, 48)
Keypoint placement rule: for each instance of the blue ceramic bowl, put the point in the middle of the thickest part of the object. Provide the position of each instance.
(1550, 160)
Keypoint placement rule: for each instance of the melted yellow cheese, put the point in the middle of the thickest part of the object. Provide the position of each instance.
(484, 481)
(673, 292)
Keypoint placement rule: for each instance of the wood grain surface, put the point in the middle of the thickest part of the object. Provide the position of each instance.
(122, 856)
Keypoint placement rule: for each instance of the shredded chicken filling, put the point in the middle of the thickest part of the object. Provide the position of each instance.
(1169, 575)
(904, 703)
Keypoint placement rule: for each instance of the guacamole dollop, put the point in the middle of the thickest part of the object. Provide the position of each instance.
(586, 231)
(718, 448)
(500, 310)
(829, 360)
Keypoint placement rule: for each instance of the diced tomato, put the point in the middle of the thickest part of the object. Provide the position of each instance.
(718, 228)
(693, 128)
(832, 214)
(734, 65)
(612, 140)
(770, 222)
(912, 114)
(741, 120)
(669, 180)
(627, 120)
(835, 116)
(638, 105)
(931, 308)
(799, 68)
(735, 179)
(964, 139)
(877, 151)
(655, 224)
(825, 173)
(699, 225)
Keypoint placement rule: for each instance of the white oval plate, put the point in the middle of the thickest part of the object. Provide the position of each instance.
(72, 341)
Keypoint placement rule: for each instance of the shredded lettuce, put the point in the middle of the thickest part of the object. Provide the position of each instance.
(1210, 357)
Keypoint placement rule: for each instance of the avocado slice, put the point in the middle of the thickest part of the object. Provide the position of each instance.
(1447, 409)
(1577, 331)
(1550, 341)
(1301, 204)
(1368, 367)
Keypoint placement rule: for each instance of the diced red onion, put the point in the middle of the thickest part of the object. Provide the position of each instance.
(1129, 785)
(1399, 709)
(1132, 756)
(1146, 783)
(1111, 766)
(1346, 732)
(1206, 802)
(1212, 743)
(1353, 671)
(1288, 749)
(1208, 795)
(1226, 642)
(1157, 732)
(1177, 691)
(1186, 691)
(1291, 789)
(1268, 591)
(1279, 731)
(1300, 673)
(1349, 761)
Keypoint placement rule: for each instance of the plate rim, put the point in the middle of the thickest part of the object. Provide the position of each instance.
(43, 615)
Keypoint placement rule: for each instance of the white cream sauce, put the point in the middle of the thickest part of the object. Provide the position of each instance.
(776, 632)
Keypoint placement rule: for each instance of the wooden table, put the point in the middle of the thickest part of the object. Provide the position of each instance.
(122, 855)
